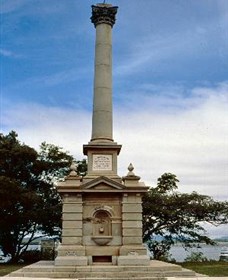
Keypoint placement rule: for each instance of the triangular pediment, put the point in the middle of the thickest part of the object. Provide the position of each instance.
(103, 183)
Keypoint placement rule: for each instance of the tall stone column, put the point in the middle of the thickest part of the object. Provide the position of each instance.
(102, 151)
(103, 17)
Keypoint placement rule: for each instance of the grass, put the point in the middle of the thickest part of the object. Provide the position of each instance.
(210, 268)
(7, 268)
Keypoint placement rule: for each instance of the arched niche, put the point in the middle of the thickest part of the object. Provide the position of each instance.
(102, 223)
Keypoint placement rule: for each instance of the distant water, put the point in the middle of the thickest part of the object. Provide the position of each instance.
(210, 252)
(179, 253)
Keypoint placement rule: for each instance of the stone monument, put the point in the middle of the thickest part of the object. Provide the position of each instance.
(102, 212)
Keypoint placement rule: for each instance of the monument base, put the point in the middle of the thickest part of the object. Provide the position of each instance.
(155, 270)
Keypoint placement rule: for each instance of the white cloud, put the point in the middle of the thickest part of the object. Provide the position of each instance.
(191, 142)
(36, 123)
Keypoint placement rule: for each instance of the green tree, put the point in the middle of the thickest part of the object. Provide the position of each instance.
(30, 203)
(170, 216)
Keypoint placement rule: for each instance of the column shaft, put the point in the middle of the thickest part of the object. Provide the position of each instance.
(102, 102)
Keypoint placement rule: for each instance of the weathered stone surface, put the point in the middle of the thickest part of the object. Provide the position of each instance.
(132, 224)
(132, 198)
(71, 240)
(72, 232)
(66, 224)
(72, 198)
(72, 208)
(72, 216)
(71, 261)
(133, 249)
(102, 250)
(132, 232)
(132, 240)
(133, 260)
(132, 216)
(135, 208)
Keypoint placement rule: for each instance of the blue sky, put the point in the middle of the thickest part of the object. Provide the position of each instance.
(170, 83)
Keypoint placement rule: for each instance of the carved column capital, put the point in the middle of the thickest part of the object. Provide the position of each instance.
(103, 14)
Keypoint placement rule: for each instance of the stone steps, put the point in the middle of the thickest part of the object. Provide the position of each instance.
(156, 271)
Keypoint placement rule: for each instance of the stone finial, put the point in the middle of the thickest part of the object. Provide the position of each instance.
(130, 169)
(130, 175)
(73, 169)
(103, 13)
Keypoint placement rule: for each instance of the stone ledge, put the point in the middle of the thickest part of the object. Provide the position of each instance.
(167, 278)
(156, 270)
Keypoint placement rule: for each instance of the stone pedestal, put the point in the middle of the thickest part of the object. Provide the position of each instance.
(102, 212)
(102, 221)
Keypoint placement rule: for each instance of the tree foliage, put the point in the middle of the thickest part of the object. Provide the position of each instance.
(29, 202)
(170, 216)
